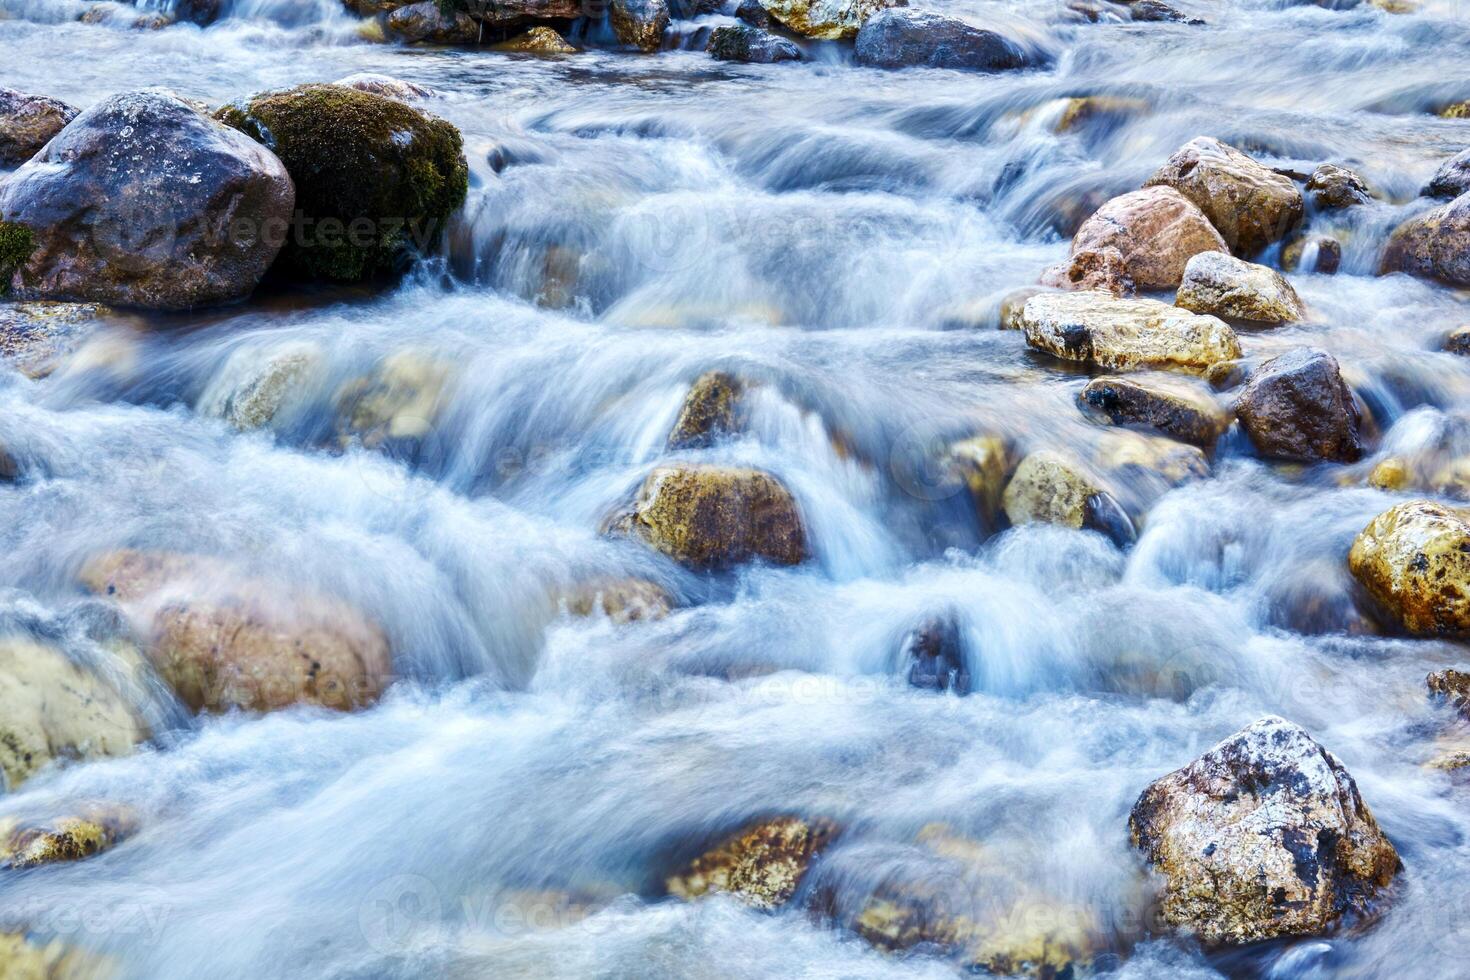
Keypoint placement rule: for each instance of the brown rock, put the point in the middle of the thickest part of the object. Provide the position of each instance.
(1334, 187)
(1140, 240)
(1263, 836)
(713, 517)
(1434, 245)
(1248, 204)
(1224, 286)
(223, 640)
(713, 409)
(538, 40)
(1453, 177)
(28, 843)
(1312, 253)
(1296, 407)
(27, 123)
(1185, 412)
(1458, 341)
(1414, 560)
(763, 865)
(1452, 686)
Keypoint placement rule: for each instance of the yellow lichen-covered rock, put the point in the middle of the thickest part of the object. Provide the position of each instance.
(1414, 559)
(27, 843)
(627, 600)
(222, 639)
(1263, 836)
(52, 709)
(1393, 473)
(400, 400)
(1096, 327)
(984, 463)
(1098, 111)
(829, 20)
(961, 900)
(762, 865)
(714, 407)
(1222, 285)
(1050, 488)
(23, 959)
(538, 40)
(711, 517)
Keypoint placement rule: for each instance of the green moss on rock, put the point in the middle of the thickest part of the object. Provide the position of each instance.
(16, 245)
(376, 180)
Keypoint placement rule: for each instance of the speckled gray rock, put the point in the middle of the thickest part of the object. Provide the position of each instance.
(744, 43)
(1225, 286)
(144, 201)
(1434, 245)
(1453, 177)
(1333, 187)
(902, 38)
(1263, 836)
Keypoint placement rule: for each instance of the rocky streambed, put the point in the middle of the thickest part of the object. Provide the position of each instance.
(782, 488)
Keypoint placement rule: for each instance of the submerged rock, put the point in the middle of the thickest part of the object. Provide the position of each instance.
(713, 517)
(1121, 334)
(1053, 488)
(1334, 187)
(1312, 253)
(903, 38)
(1453, 177)
(396, 405)
(252, 395)
(35, 338)
(1140, 240)
(933, 656)
(27, 123)
(224, 640)
(829, 20)
(29, 843)
(24, 959)
(1414, 560)
(106, 228)
(762, 865)
(749, 44)
(51, 709)
(713, 409)
(1434, 245)
(639, 23)
(1177, 410)
(627, 600)
(1263, 836)
(984, 463)
(376, 179)
(752, 13)
(1296, 407)
(1225, 286)
(1248, 204)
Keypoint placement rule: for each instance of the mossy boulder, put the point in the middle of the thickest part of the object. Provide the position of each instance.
(53, 709)
(715, 517)
(376, 180)
(538, 40)
(17, 242)
(1264, 836)
(1414, 559)
(762, 865)
(223, 639)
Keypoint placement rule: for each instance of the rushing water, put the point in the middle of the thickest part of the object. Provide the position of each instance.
(843, 235)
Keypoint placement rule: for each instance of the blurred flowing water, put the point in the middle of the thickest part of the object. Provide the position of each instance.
(843, 236)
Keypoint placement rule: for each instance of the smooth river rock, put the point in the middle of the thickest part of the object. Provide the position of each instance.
(714, 409)
(1434, 245)
(1250, 205)
(1235, 289)
(1296, 407)
(27, 123)
(1414, 560)
(639, 23)
(143, 201)
(1181, 411)
(744, 43)
(902, 38)
(1452, 178)
(1123, 334)
(1264, 836)
(1141, 240)
(762, 865)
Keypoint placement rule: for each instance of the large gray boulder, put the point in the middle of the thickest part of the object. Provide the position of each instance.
(27, 123)
(143, 201)
(902, 38)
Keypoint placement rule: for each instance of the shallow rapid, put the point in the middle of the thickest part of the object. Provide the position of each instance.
(844, 236)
